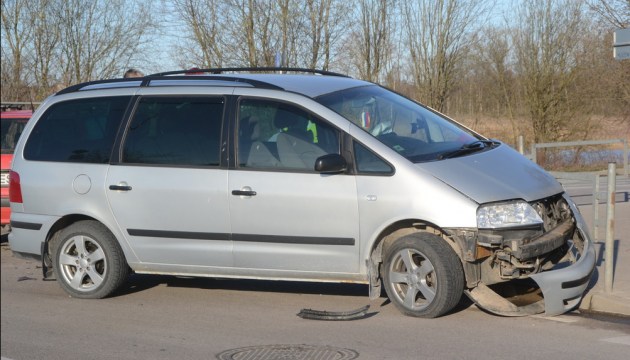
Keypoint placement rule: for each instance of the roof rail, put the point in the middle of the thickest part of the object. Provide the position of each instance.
(200, 74)
(77, 87)
(146, 81)
(249, 69)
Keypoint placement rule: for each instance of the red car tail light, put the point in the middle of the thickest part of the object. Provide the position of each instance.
(15, 189)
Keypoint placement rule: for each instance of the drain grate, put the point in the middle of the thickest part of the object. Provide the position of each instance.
(288, 352)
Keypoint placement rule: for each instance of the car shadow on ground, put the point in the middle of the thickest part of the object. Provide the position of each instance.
(142, 282)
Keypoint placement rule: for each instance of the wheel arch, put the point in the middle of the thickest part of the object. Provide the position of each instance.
(408, 226)
(395, 231)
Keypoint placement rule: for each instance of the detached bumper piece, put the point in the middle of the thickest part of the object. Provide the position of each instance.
(334, 315)
(487, 299)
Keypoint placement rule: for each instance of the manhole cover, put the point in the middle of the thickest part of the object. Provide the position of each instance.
(288, 352)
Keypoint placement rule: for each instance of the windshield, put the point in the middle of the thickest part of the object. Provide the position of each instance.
(11, 130)
(414, 131)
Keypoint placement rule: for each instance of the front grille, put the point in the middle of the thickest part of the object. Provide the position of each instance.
(5, 178)
(552, 210)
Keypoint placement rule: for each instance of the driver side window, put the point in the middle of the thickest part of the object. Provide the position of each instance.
(278, 135)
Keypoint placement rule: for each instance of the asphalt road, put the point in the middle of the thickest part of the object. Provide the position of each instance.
(582, 191)
(164, 317)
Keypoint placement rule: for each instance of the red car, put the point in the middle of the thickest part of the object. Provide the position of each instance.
(13, 123)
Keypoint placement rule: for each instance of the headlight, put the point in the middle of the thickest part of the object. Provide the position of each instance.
(512, 214)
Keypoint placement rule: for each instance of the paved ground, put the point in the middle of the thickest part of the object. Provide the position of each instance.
(166, 317)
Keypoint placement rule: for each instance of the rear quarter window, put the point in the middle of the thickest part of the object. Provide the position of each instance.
(11, 130)
(81, 130)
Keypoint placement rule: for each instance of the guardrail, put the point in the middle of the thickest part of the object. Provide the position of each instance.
(18, 105)
(534, 148)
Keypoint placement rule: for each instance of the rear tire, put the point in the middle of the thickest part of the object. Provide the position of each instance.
(423, 276)
(88, 261)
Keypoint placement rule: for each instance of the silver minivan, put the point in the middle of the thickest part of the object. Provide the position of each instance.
(307, 176)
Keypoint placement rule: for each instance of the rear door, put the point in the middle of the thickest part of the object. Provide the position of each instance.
(168, 192)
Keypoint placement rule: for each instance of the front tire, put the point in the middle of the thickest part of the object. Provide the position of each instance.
(423, 276)
(88, 261)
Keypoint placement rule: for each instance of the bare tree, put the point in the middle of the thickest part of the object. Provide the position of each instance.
(203, 22)
(319, 12)
(99, 36)
(279, 25)
(250, 38)
(606, 79)
(546, 42)
(437, 33)
(371, 43)
(45, 44)
(262, 32)
(16, 35)
(286, 43)
(494, 77)
(327, 20)
(615, 12)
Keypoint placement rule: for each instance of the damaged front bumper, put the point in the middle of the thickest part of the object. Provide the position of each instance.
(561, 287)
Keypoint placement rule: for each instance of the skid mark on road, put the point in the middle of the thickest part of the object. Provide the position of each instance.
(623, 340)
(558, 318)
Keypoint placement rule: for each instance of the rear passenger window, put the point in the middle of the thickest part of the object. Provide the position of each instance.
(77, 131)
(175, 131)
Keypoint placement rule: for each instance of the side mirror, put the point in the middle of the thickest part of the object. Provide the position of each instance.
(331, 164)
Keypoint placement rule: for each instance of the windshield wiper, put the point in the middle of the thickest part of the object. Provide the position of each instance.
(471, 147)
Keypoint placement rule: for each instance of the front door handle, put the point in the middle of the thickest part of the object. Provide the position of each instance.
(243, 192)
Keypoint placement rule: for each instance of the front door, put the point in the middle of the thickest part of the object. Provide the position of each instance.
(288, 220)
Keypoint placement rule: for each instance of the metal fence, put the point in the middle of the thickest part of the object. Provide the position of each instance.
(18, 105)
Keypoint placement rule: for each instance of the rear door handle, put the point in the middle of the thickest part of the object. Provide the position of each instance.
(120, 187)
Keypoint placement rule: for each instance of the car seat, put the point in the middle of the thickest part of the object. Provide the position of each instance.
(295, 143)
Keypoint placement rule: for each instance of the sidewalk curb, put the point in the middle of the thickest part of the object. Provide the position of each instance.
(606, 303)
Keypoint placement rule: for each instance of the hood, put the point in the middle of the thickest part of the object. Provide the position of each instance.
(495, 175)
